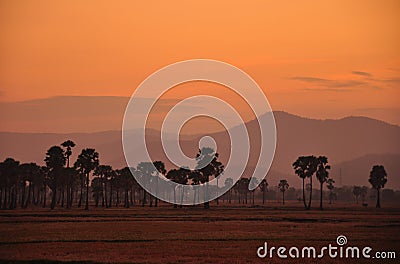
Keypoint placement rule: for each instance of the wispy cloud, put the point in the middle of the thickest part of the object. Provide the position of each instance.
(309, 79)
(392, 80)
(345, 83)
(327, 84)
(361, 73)
(328, 90)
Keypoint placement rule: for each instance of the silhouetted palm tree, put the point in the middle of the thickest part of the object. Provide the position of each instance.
(104, 172)
(29, 172)
(45, 179)
(111, 179)
(87, 161)
(9, 172)
(208, 165)
(72, 180)
(305, 167)
(283, 186)
(180, 176)
(243, 189)
(160, 167)
(263, 189)
(55, 161)
(253, 183)
(183, 177)
(322, 174)
(145, 171)
(195, 177)
(174, 176)
(378, 179)
(125, 181)
(81, 175)
(116, 182)
(68, 145)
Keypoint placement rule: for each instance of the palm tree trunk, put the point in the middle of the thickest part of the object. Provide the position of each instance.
(117, 200)
(103, 191)
(194, 195)
(182, 195)
(68, 196)
(59, 197)
(320, 201)
(81, 193)
(62, 195)
(144, 198)
(33, 194)
(96, 197)
(71, 197)
(29, 195)
(378, 199)
(126, 199)
(5, 198)
(111, 194)
(304, 195)
(87, 192)
(105, 195)
(207, 204)
(44, 195)
(151, 200)
(156, 201)
(23, 196)
(264, 196)
(15, 197)
(54, 198)
(217, 192)
(12, 197)
(310, 198)
(175, 205)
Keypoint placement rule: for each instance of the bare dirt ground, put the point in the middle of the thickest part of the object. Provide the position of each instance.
(223, 234)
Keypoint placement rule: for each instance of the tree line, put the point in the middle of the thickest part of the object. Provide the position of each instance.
(59, 183)
(31, 184)
(307, 166)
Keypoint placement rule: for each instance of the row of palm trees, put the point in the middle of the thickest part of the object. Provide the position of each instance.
(305, 167)
(29, 184)
(308, 166)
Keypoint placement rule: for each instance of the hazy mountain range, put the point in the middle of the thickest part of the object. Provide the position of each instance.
(352, 144)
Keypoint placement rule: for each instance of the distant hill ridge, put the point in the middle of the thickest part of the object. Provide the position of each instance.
(352, 143)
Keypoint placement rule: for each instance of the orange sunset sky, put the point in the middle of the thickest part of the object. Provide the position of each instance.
(320, 59)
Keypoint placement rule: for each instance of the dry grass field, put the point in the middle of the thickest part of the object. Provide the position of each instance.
(223, 234)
